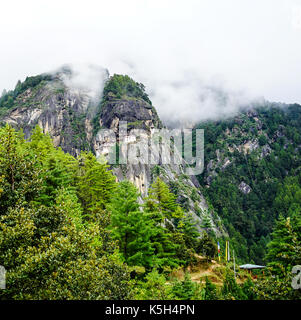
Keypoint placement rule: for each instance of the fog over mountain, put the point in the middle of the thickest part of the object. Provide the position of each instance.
(198, 59)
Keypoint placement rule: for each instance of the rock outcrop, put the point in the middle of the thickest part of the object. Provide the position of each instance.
(65, 114)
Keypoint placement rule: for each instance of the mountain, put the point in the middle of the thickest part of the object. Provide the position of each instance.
(253, 173)
(70, 231)
(75, 121)
(251, 159)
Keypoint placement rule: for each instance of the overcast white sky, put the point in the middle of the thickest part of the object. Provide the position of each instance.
(178, 49)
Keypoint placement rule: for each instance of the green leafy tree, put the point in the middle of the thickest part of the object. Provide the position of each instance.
(276, 287)
(65, 263)
(210, 291)
(231, 290)
(153, 288)
(19, 169)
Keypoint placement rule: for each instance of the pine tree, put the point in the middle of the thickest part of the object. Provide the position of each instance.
(131, 226)
(186, 237)
(58, 167)
(162, 208)
(95, 184)
(231, 290)
(207, 222)
(160, 199)
(186, 289)
(284, 249)
(207, 246)
(41, 143)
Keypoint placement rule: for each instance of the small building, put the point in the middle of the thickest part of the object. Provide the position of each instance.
(251, 267)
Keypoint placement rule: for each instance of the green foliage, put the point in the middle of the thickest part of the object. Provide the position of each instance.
(7, 99)
(207, 247)
(50, 245)
(62, 264)
(153, 288)
(210, 291)
(119, 86)
(94, 183)
(161, 207)
(274, 177)
(19, 169)
(131, 226)
(288, 200)
(163, 202)
(262, 140)
(231, 290)
(275, 287)
(248, 289)
(284, 250)
(186, 289)
(207, 222)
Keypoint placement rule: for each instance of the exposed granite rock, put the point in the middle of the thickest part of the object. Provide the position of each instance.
(252, 113)
(265, 151)
(138, 113)
(226, 164)
(244, 188)
(210, 165)
(143, 116)
(250, 146)
(64, 114)
(58, 110)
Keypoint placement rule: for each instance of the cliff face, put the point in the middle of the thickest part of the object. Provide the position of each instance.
(57, 109)
(65, 113)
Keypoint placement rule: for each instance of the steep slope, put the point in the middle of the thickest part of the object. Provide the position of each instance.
(75, 122)
(59, 110)
(248, 160)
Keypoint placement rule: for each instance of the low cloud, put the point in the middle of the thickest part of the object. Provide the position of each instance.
(198, 59)
(192, 99)
(85, 77)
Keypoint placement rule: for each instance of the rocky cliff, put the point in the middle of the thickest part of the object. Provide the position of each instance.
(76, 122)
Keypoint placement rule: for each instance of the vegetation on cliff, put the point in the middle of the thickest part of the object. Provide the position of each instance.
(68, 230)
(8, 99)
(120, 87)
(253, 174)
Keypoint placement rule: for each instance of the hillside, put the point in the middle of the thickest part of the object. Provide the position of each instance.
(253, 166)
(72, 227)
(75, 122)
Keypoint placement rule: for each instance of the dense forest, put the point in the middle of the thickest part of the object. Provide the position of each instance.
(253, 173)
(68, 230)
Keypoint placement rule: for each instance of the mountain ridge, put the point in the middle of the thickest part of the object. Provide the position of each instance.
(64, 113)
